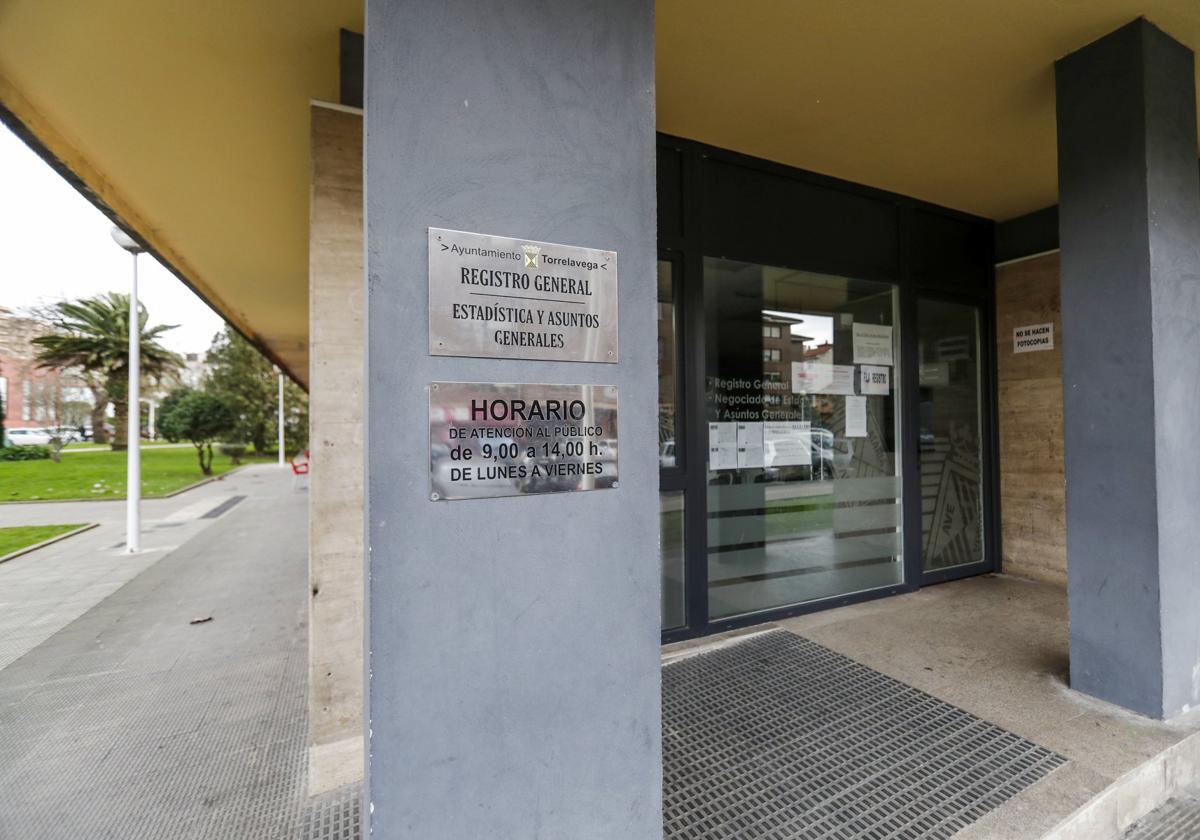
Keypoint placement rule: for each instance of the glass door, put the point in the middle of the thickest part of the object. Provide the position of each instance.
(803, 490)
(781, 484)
(671, 448)
(951, 439)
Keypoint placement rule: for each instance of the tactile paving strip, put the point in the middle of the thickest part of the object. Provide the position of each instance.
(1176, 819)
(778, 737)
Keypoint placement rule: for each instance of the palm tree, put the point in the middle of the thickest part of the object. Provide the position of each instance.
(93, 334)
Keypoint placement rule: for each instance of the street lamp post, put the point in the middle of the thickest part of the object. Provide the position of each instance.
(279, 373)
(133, 410)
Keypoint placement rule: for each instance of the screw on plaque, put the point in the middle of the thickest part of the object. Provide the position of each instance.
(434, 497)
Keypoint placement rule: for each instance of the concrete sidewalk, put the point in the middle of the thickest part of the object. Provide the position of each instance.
(42, 592)
(127, 721)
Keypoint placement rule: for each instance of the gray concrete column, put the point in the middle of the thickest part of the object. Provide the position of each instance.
(1129, 223)
(512, 643)
(335, 422)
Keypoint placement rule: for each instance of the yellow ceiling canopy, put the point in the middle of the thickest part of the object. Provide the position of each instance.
(189, 121)
(950, 101)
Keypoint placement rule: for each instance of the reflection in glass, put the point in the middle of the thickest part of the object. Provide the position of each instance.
(666, 365)
(803, 476)
(671, 508)
(951, 477)
(670, 502)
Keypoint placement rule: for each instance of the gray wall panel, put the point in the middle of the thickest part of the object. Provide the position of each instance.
(513, 643)
(1129, 224)
(1174, 237)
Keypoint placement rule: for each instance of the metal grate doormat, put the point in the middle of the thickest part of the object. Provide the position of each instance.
(1176, 819)
(333, 816)
(779, 737)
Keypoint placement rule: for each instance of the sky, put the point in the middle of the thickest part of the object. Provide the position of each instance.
(55, 245)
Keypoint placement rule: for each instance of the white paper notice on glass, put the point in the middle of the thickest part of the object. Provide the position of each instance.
(722, 446)
(856, 417)
(872, 344)
(876, 380)
(787, 443)
(822, 378)
(749, 445)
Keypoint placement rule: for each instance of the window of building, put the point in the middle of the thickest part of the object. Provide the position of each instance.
(772, 331)
(772, 354)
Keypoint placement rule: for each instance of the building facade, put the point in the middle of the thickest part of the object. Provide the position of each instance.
(902, 298)
(35, 397)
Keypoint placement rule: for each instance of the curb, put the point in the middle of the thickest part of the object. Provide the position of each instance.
(14, 554)
(1134, 795)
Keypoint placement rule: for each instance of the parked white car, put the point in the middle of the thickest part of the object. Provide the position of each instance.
(27, 437)
(67, 434)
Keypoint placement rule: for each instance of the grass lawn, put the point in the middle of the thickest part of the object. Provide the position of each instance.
(101, 475)
(12, 539)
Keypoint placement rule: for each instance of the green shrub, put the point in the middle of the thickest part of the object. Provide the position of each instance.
(24, 453)
(201, 419)
(234, 451)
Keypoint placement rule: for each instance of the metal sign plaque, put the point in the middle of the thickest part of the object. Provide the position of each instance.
(507, 298)
(488, 439)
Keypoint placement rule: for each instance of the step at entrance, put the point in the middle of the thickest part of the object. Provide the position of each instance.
(779, 737)
(1176, 819)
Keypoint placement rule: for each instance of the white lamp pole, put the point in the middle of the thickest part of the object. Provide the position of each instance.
(150, 430)
(133, 410)
(280, 374)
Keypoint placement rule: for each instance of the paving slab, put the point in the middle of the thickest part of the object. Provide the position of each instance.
(45, 590)
(996, 646)
(129, 722)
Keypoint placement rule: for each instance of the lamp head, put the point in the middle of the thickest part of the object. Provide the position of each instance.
(126, 241)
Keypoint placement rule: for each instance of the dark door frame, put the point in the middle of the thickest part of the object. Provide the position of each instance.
(918, 272)
(989, 446)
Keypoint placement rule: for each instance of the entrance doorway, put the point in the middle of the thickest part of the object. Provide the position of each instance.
(825, 431)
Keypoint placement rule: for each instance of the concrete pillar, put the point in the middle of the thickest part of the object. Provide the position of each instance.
(335, 490)
(512, 643)
(1129, 224)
